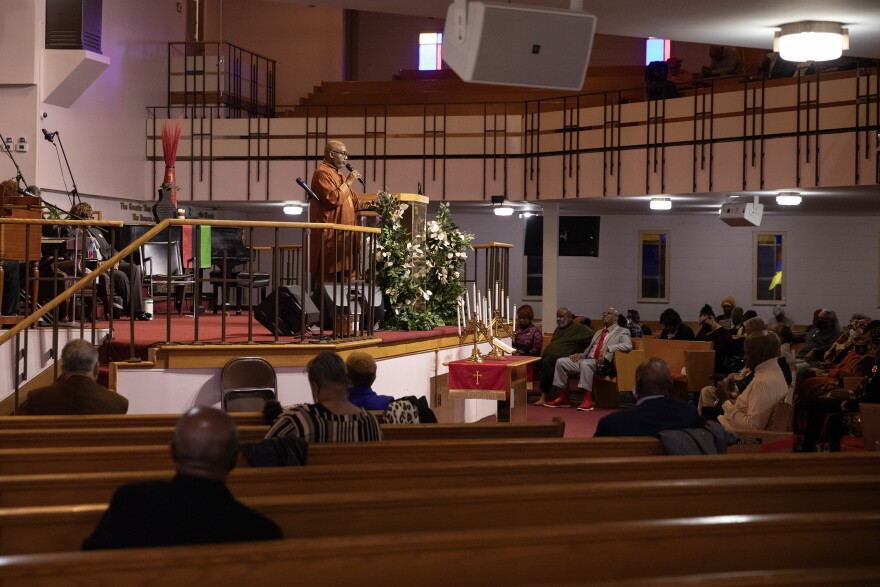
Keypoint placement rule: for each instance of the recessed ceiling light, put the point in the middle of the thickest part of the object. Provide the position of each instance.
(504, 210)
(811, 40)
(661, 204)
(293, 209)
(788, 199)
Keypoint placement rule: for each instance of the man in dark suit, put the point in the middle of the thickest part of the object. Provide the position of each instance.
(195, 507)
(77, 391)
(655, 411)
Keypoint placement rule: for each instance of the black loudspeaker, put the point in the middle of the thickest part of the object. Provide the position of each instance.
(351, 300)
(290, 310)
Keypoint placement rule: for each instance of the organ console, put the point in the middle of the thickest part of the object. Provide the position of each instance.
(19, 242)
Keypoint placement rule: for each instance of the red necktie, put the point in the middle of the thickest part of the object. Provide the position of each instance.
(598, 352)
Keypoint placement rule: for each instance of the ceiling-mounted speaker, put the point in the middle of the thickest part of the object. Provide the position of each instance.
(518, 45)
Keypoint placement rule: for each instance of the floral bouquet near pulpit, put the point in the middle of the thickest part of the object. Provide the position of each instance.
(420, 277)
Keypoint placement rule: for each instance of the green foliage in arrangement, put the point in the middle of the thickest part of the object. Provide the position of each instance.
(421, 278)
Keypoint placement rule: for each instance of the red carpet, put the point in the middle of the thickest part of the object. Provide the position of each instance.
(577, 424)
(212, 330)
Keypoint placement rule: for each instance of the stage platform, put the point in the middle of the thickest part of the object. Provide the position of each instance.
(162, 377)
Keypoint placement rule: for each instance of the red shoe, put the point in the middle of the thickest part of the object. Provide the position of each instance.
(559, 402)
(586, 406)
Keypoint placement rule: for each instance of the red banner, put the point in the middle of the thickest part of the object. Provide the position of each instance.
(478, 378)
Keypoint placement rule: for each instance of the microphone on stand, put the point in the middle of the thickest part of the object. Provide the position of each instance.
(49, 136)
(360, 179)
(305, 186)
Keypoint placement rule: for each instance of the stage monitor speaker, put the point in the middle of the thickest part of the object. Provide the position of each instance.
(518, 45)
(290, 310)
(351, 300)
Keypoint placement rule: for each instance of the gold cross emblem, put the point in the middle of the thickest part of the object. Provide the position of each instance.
(477, 377)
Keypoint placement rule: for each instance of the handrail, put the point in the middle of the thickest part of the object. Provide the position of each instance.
(86, 279)
(136, 244)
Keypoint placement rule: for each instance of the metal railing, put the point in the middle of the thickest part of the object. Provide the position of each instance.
(337, 320)
(202, 76)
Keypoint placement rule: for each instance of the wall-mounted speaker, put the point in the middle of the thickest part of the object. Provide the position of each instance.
(518, 45)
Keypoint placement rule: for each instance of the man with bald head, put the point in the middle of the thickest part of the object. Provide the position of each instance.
(195, 507)
(605, 343)
(655, 411)
(569, 337)
(751, 409)
(337, 202)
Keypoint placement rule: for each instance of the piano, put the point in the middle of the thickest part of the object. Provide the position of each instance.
(228, 241)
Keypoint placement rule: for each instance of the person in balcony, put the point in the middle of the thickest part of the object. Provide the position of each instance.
(724, 61)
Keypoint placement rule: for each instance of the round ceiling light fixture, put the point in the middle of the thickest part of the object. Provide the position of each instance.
(811, 40)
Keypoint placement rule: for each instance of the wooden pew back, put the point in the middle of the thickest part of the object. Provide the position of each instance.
(32, 530)
(146, 435)
(146, 458)
(673, 351)
(600, 552)
(67, 489)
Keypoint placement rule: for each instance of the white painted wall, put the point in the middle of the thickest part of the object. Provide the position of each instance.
(830, 262)
(155, 391)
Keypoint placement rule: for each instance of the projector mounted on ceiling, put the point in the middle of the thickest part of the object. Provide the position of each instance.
(518, 45)
(742, 213)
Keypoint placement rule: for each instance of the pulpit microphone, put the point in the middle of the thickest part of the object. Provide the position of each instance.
(49, 136)
(360, 179)
(305, 186)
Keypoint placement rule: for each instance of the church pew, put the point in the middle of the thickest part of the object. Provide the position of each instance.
(73, 437)
(32, 530)
(112, 421)
(786, 544)
(73, 488)
(157, 457)
(810, 577)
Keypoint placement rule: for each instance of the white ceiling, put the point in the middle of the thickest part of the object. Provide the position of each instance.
(740, 23)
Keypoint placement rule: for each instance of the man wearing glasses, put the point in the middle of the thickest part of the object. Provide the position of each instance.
(337, 202)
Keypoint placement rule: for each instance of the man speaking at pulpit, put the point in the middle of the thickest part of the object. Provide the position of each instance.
(337, 203)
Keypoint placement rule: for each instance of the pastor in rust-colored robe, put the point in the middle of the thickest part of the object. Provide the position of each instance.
(337, 204)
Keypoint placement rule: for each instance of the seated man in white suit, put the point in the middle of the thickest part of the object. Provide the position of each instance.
(601, 350)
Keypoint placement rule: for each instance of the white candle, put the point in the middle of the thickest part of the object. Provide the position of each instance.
(458, 315)
(514, 310)
(478, 313)
(486, 310)
(507, 307)
(468, 296)
(491, 315)
(476, 297)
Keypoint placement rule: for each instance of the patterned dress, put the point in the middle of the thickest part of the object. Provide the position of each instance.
(315, 423)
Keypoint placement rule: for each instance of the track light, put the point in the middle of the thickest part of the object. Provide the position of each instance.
(788, 199)
(501, 207)
(661, 204)
(811, 40)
